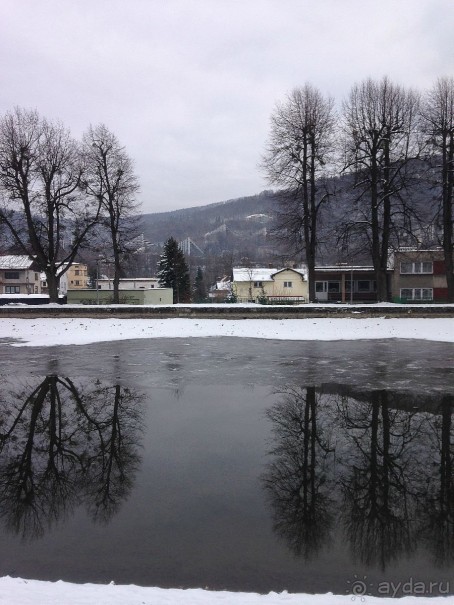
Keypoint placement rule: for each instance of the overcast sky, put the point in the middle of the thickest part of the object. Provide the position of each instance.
(188, 86)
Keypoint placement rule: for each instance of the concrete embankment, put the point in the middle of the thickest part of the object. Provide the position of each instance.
(226, 311)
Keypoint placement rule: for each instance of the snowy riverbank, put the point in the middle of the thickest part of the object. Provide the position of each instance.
(79, 331)
(15, 591)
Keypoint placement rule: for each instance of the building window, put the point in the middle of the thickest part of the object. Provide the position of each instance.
(36, 276)
(12, 289)
(11, 274)
(287, 284)
(76, 272)
(328, 286)
(416, 293)
(364, 285)
(258, 284)
(417, 267)
(77, 283)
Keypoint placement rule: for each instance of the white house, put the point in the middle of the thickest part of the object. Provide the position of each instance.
(251, 284)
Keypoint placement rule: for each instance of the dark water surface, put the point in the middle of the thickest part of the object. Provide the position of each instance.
(229, 463)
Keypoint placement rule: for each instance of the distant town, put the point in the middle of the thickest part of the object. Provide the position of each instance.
(414, 276)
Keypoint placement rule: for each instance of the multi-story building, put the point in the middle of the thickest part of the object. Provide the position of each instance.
(75, 278)
(419, 275)
(19, 274)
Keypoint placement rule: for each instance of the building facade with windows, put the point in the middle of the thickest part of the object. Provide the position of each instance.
(19, 274)
(253, 284)
(74, 278)
(419, 276)
(345, 283)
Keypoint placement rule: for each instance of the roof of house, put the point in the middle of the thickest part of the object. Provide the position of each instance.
(15, 261)
(223, 285)
(126, 279)
(344, 269)
(247, 274)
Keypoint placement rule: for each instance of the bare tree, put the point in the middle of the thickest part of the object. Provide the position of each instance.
(110, 180)
(379, 128)
(300, 144)
(43, 205)
(438, 124)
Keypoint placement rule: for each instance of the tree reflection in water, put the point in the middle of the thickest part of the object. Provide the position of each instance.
(437, 503)
(62, 446)
(296, 480)
(364, 459)
(378, 479)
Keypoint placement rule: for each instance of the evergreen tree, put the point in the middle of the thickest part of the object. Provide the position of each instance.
(200, 293)
(173, 272)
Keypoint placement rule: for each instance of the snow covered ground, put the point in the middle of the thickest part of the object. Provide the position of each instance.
(25, 592)
(79, 331)
(47, 332)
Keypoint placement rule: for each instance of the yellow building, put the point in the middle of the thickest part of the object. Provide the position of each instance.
(75, 278)
(254, 284)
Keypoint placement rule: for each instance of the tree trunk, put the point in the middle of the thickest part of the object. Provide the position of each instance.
(377, 249)
(117, 268)
(448, 177)
(311, 219)
(311, 277)
(386, 223)
(381, 278)
(52, 284)
(116, 286)
(448, 252)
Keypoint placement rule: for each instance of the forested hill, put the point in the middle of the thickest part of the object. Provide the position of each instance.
(199, 220)
(231, 225)
(242, 226)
